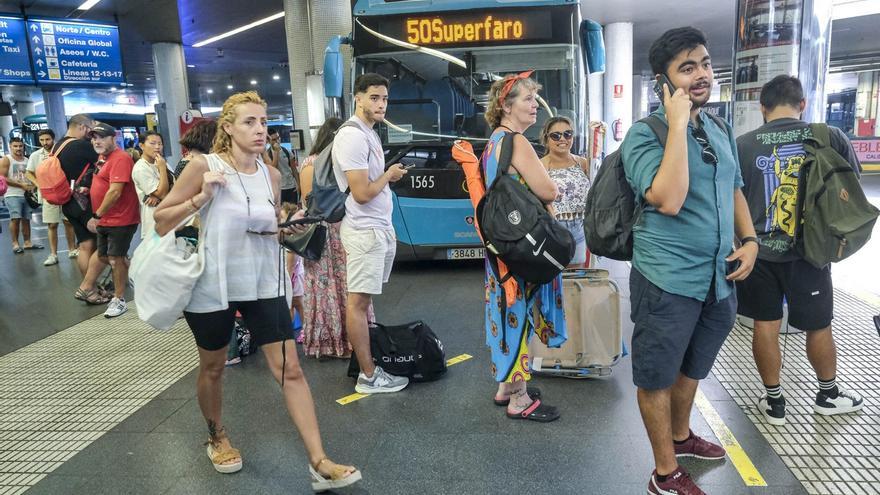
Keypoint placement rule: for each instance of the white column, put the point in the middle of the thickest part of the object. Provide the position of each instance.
(173, 90)
(53, 105)
(302, 64)
(595, 90)
(618, 82)
(331, 18)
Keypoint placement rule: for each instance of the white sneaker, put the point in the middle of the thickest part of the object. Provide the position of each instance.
(380, 383)
(73, 254)
(845, 402)
(51, 260)
(115, 308)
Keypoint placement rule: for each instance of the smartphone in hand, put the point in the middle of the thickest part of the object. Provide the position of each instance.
(658, 87)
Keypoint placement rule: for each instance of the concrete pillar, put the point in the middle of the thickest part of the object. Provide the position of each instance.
(595, 90)
(618, 82)
(53, 105)
(24, 109)
(639, 97)
(173, 91)
(807, 25)
(301, 62)
(331, 18)
(6, 126)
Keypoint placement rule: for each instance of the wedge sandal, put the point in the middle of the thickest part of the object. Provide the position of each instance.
(220, 459)
(337, 477)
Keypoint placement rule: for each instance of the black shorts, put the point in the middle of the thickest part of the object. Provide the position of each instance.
(115, 241)
(675, 334)
(806, 289)
(79, 219)
(267, 319)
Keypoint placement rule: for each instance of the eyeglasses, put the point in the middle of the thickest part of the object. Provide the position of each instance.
(707, 153)
(557, 136)
(247, 197)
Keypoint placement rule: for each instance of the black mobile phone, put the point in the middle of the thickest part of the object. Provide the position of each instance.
(299, 221)
(733, 266)
(658, 87)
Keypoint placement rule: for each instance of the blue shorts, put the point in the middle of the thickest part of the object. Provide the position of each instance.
(18, 207)
(576, 227)
(675, 334)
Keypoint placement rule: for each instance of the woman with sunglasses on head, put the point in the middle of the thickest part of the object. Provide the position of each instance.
(238, 197)
(510, 305)
(571, 175)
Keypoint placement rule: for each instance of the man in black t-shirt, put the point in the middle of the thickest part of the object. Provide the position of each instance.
(74, 158)
(771, 158)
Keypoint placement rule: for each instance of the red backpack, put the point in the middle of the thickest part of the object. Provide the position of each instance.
(51, 178)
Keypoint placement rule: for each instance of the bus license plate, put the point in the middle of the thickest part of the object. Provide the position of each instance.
(465, 254)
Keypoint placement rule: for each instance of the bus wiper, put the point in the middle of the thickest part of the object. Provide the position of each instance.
(429, 134)
(403, 44)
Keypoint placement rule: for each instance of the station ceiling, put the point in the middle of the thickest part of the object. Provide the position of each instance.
(261, 53)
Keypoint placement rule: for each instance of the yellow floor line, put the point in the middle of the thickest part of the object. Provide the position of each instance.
(741, 461)
(348, 399)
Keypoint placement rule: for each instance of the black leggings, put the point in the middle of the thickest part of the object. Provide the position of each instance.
(267, 319)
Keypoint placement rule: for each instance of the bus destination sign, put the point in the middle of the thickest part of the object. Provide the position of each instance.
(437, 30)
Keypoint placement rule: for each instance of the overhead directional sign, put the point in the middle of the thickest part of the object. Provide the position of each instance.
(75, 53)
(15, 66)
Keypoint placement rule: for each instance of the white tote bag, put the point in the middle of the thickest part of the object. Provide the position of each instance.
(164, 271)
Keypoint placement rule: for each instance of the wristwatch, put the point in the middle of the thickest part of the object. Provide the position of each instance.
(744, 240)
(96, 216)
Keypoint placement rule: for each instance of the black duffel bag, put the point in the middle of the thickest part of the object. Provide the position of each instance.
(411, 350)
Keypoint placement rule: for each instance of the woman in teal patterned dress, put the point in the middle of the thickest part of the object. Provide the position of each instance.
(514, 311)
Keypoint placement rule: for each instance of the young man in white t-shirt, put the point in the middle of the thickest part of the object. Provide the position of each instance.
(51, 213)
(367, 233)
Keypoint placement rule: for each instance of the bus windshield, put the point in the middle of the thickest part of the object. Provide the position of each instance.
(437, 100)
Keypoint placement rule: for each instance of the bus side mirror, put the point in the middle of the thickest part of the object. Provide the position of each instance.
(593, 46)
(333, 71)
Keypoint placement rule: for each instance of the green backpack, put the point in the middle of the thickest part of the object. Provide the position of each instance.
(837, 217)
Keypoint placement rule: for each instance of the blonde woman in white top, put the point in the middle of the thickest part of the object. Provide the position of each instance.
(243, 272)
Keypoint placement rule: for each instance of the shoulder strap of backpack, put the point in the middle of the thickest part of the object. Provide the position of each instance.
(506, 153)
(61, 147)
(820, 135)
(718, 121)
(658, 127)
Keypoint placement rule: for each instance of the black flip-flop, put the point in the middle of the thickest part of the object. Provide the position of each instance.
(17, 250)
(35, 246)
(537, 412)
(534, 394)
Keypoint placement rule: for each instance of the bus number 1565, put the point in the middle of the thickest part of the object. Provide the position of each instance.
(422, 182)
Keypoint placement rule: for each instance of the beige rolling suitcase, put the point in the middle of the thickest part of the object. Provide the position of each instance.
(592, 314)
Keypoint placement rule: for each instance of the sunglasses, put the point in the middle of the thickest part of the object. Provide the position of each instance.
(250, 230)
(557, 136)
(706, 152)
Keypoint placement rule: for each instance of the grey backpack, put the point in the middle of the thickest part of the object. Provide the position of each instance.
(327, 201)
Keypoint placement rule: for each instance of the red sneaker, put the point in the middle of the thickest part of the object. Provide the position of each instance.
(700, 448)
(678, 482)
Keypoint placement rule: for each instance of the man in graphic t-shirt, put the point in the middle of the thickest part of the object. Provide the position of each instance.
(771, 158)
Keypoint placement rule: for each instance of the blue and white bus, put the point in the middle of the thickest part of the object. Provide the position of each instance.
(441, 56)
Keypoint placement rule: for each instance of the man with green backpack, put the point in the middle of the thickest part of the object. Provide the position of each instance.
(801, 184)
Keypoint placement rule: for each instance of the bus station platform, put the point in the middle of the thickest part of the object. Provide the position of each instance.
(90, 405)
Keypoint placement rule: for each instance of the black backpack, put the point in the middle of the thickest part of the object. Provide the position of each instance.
(411, 350)
(518, 229)
(327, 201)
(611, 210)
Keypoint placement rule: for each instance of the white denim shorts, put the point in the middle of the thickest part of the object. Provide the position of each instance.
(369, 254)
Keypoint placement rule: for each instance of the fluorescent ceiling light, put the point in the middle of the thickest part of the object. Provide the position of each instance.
(845, 9)
(87, 4)
(253, 82)
(237, 30)
(276, 77)
(228, 86)
(210, 91)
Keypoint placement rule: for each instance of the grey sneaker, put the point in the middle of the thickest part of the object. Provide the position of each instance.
(381, 383)
(73, 254)
(51, 260)
(115, 308)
